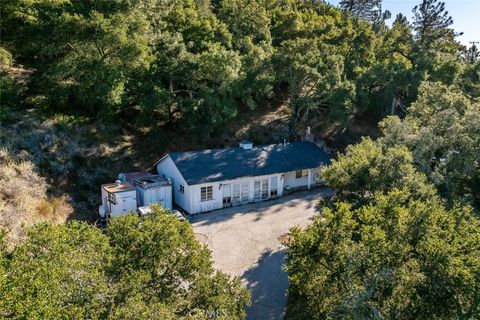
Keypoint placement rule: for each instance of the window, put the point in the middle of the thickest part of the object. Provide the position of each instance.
(301, 173)
(182, 188)
(112, 198)
(206, 193)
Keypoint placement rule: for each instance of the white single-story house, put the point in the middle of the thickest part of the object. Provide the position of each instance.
(206, 180)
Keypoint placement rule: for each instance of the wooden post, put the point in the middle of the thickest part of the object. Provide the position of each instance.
(309, 177)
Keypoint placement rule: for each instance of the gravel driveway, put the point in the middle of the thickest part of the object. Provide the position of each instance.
(245, 242)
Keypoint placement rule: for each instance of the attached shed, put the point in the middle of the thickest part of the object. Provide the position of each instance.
(154, 189)
(118, 199)
(206, 180)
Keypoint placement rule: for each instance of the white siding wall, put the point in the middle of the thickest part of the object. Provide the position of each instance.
(153, 195)
(126, 203)
(169, 169)
(198, 206)
(292, 182)
(191, 202)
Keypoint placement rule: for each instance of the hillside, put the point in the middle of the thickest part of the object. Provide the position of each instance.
(89, 89)
(101, 89)
(73, 155)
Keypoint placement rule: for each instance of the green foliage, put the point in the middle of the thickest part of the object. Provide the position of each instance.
(59, 272)
(103, 54)
(10, 94)
(6, 58)
(10, 91)
(247, 21)
(315, 78)
(469, 81)
(368, 168)
(141, 268)
(442, 129)
(397, 258)
(431, 24)
(194, 64)
(364, 9)
(249, 24)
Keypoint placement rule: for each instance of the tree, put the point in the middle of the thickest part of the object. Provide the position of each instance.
(472, 54)
(141, 268)
(314, 76)
(368, 168)
(93, 50)
(387, 86)
(370, 10)
(58, 272)
(431, 23)
(442, 131)
(97, 67)
(469, 81)
(436, 52)
(248, 22)
(157, 261)
(193, 78)
(397, 258)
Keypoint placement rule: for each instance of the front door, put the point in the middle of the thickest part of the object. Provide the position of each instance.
(260, 190)
(257, 192)
(240, 192)
(264, 189)
(227, 195)
(236, 192)
(245, 191)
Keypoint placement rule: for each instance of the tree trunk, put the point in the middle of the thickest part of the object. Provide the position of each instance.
(394, 104)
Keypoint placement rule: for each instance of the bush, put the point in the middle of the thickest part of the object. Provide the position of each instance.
(23, 196)
(141, 268)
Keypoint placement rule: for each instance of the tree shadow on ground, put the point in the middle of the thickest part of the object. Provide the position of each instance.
(260, 208)
(268, 283)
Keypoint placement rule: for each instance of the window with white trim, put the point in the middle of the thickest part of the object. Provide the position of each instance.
(182, 188)
(301, 173)
(206, 193)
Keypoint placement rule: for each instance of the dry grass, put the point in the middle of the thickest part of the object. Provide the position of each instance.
(23, 197)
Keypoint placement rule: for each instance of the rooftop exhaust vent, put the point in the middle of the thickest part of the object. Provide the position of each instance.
(246, 145)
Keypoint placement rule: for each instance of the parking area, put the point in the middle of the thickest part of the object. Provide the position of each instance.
(246, 242)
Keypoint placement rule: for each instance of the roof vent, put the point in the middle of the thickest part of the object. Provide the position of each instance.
(246, 145)
(118, 183)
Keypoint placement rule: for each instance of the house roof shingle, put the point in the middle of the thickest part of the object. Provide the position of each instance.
(206, 166)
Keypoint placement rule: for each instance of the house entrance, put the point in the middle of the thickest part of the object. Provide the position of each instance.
(227, 195)
(240, 193)
(260, 190)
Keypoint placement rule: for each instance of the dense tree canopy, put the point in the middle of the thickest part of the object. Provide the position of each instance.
(142, 268)
(442, 129)
(365, 9)
(196, 63)
(369, 168)
(396, 258)
(399, 239)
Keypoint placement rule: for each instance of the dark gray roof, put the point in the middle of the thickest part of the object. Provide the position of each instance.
(230, 163)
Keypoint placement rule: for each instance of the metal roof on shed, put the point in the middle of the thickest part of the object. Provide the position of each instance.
(121, 187)
(213, 165)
